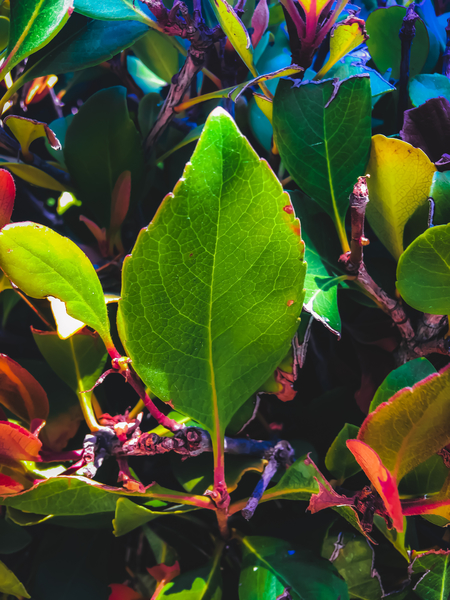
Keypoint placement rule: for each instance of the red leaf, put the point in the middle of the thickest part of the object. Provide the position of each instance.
(7, 196)
(260, 21)
(381, 479)
(17, 443)
(120, 200)
(123, 592)
(9, 486)
(164, 573)
(20, 392)
(327, 498)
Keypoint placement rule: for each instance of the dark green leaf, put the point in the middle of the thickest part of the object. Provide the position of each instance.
(423, 272)
(322, 131)
(12, 537)
(101, 143)
(269, 565)
(426, 478)
(435, 581)
(339, 460)
(237, 261)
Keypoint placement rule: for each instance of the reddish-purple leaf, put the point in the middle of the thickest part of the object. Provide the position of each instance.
(260, 22)
(7, 196)
(9, 486)
(20, 392)
(120, 200)
(123, 592)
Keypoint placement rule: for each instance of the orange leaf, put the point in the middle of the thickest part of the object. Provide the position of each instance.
(123, 592)
(17, 443)
(7, 196)
(9, 486)
(20, 392)
(381, 479)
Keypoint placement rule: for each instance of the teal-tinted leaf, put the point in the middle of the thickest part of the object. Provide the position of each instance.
(121, 10)
(269, 565)
(59, 128)
(434, 566)
(148, 110)
(59, 268)
(353, 558)
(201, 584)
(384, 44)
(101, 143)
(145, 78)
(321, 254)
(33, 24)
(13, 538)
(423, 272)
(339, 460)
(404, 376)
(222, 253)
(82, 43)
(426, 86)
(78, 360)
(9, 584)
(322, 131)
(158, 54)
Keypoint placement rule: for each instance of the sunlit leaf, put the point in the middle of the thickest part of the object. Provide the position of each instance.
(345, 37)
(121, 10)
(26, 131)
(17, 443)
(400, 179)
(34, 176)
(7, 196)
(199, 584)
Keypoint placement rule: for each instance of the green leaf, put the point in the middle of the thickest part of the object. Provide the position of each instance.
(27, 130)
(9, 584)
(237, 261)
(298, 483)
(423, 272)
(434, 565)
(13, 538)
(426, 86)
(158, 54)
(384, 44)
(121, 10)
(427, 478)
(235, 31)
(82, 43)
(78, 360)
(34, 176)
(396, 538)
(59, 268)
(201, 584)
(101, 143)
(322, 131)
(145, 78)
(412, 426)
(33, 24)
(339, 460)
(269, 565)
(353, 558)
(400, 179)
(404, 376)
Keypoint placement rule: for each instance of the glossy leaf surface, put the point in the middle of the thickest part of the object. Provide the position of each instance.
(188, 344)
(384, 44)
(426, 86)
(101, 143)
(339, 460)
(322, 131)
(34, 176)
(435, 581)
(400, 179)
(200, 584)
(9, 584)
(270, 565)
(344, 38)
(33, 24)
(121, 10)
(20, 392)
(423, 272)
(7, 196)
(60, 269)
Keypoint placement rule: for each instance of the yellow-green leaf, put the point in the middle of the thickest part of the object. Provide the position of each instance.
(400, 179)
(265, 105)
(344, 38)
(34, 176)
(26, 131)
(10, 585)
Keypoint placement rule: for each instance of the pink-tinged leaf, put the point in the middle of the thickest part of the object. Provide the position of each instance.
(260, 22)
(123, 592)
(120, 200)
(381, 479)
(9, 486)
(20, 392)
(98, 232)
(17, 443)
(287, 381)
(164, 573)
(7, 196)
(327, 498)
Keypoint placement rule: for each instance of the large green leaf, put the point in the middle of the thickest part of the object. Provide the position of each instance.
(412, 426)
(400, 179)
(298, 483)
(269, 565)
(384, 44)
(9, 584)
(130, 515)
(423, 272)
(158, 54)
(82, 43)
(101, 143)
(59, 268)
(434, 568)
(404, 376)
(221, 271)
(33, 24)
(121, 10)
(322, 131)
(201, 584)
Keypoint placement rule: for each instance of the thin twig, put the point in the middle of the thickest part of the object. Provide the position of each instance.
(406, 35)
